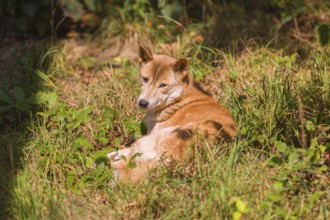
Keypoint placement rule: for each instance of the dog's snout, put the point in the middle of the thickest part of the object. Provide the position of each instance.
(143, 103)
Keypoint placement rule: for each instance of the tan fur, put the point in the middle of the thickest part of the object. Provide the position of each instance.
(175, 114)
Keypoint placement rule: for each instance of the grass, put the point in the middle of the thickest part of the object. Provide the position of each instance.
(59, 126)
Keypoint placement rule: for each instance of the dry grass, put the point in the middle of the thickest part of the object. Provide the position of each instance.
(60, 149)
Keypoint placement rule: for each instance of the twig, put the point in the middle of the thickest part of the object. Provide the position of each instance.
(303, 138)
(185, 14)
(10, 155)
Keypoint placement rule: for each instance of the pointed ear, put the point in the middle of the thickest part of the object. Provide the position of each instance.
(180, 65)
(145, 54)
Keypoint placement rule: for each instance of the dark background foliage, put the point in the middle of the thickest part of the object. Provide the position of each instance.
(226, 23)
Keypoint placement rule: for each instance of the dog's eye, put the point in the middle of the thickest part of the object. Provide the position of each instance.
(162, 85)
(145, 79)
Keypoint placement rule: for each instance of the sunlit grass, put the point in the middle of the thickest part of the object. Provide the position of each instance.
(265, 173)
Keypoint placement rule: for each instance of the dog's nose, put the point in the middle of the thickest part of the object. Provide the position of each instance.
(143, 103)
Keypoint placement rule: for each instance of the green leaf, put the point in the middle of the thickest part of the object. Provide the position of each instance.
(21, 24)
(241, 206)
(51, 98)
(132, 164)
(170, 10)
(282, 147)
(4, 97)
(70, 178)
(117, 141)
(108, 123)
(316, 196)
(100, 156)
(323, 168)
(29, 8)
(133, 127)
(46, 98)
(99, 170)
(292, 159)
(324, 34)
(4, 109)
(85, 181)
(281, 211)
(278, 186)
(73, 9)
(90, 4)
(110, 112)
(314, 143)
(38, 98)
(23, 106)
(77, 191)
(237, 215)
(60, 116)
(59, 159)
(138, 154)
(123, 157)
(275, 160)
(323, 148)
(82, 141)
(18, 94)
(89, 162)
(273, 197)
(103, 140)
(81, 116)
(262, 139)
(310, 126)
(41, 27)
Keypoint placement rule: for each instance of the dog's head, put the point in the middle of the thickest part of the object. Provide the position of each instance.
(164, 80)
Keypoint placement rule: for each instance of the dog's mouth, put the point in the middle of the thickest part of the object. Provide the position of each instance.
(152, 104)
(157, 106)
(147, 104)
(148, 108)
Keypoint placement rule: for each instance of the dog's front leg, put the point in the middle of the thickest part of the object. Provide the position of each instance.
(133, 163)
(119, 161)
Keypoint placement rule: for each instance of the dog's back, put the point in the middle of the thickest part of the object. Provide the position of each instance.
(197, 114)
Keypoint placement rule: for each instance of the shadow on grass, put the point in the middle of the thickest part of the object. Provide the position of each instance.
(18, 82)
(289, 25)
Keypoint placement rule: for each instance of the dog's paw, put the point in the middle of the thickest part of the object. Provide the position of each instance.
(113, 156)
(114, 159)
(118, 159)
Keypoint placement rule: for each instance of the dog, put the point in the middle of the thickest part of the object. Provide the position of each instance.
(177, 113)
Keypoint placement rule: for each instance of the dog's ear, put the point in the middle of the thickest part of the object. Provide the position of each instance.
(180, 68)
(180, 65)
(145, 54)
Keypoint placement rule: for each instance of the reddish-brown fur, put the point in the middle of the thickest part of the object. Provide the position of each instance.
(173, 121)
